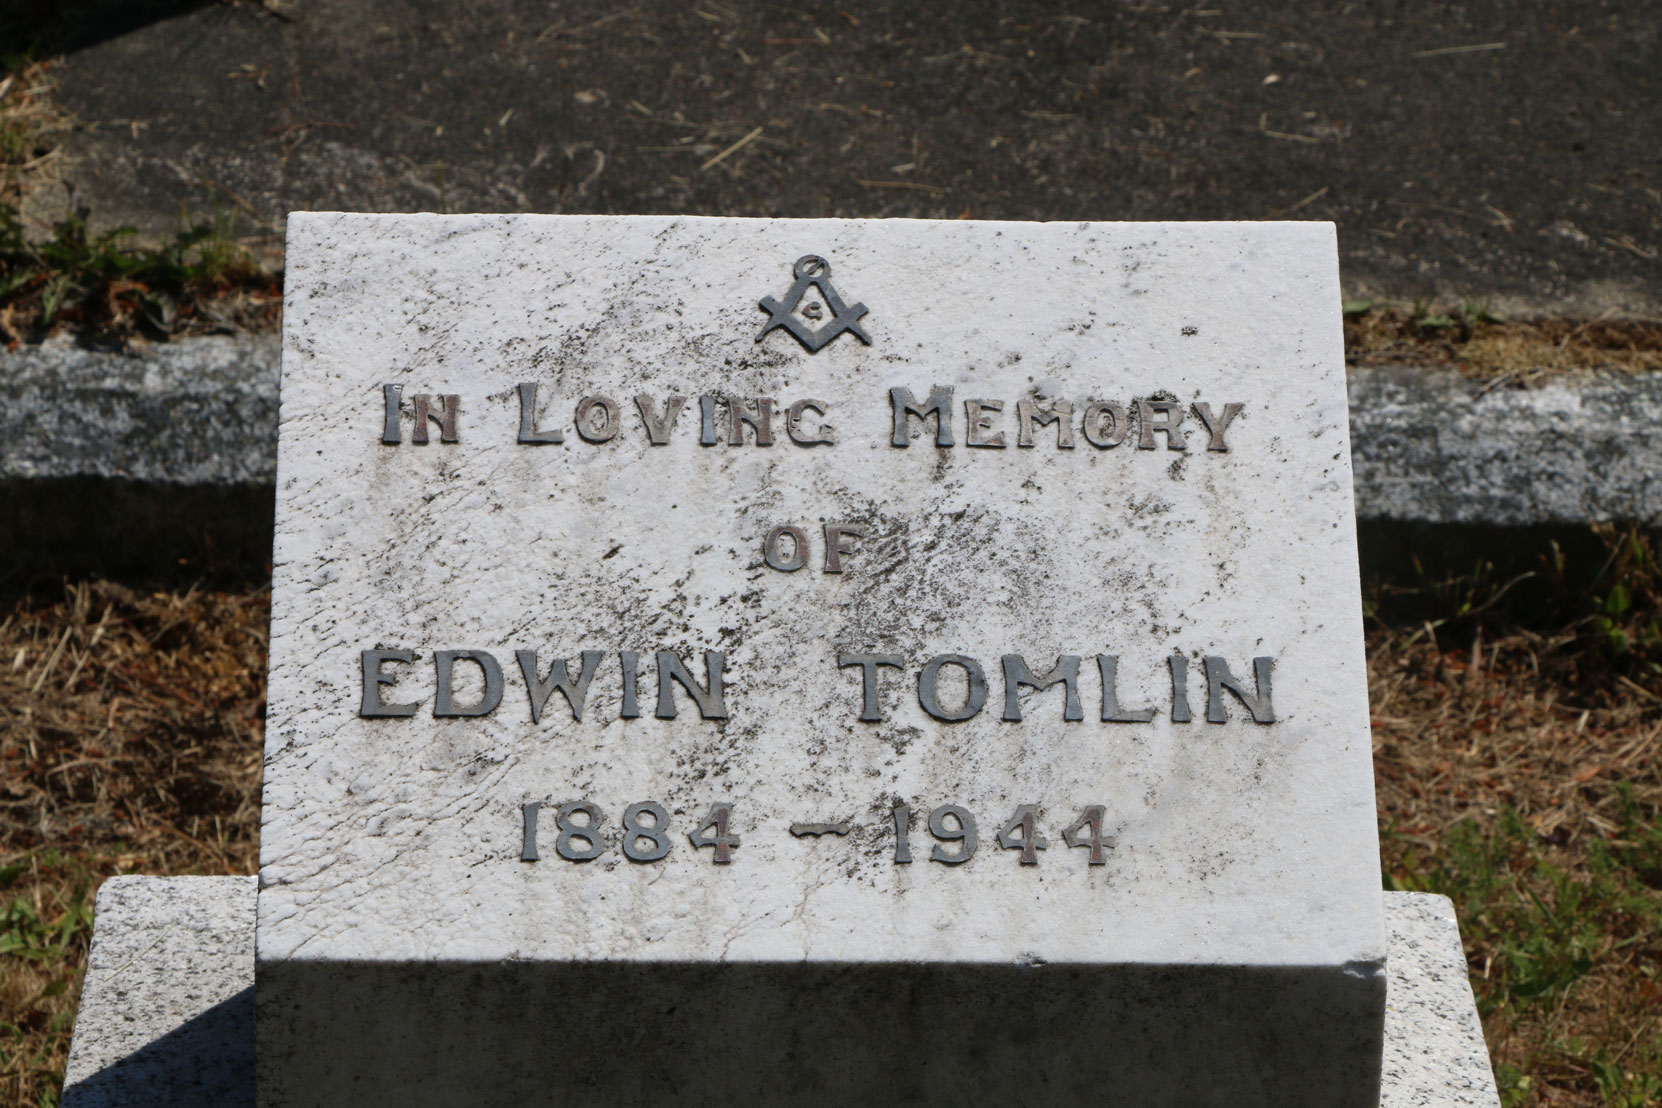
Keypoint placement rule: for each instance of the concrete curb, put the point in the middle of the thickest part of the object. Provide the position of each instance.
(1428, 446)
(1434, 447)
(199, 412)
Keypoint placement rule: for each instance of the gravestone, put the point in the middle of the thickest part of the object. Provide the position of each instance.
(782, 661)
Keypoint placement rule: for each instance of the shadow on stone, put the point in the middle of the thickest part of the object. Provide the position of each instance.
(342, 1033)
(206, 1063)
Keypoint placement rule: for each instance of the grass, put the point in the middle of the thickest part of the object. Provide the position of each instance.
(1468, 338)
(1516, 754)
(29, 124)
(130, 737)
(111, 288)
(1516, 715)
(108, 287)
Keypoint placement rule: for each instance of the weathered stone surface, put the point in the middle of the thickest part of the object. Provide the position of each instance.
(1233, 940)
(196, 412)
(1427, 445)
(1442, 448)
(1434, 1050)
(167, 1006)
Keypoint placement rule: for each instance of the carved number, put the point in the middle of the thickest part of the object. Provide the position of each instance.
(588, 832)
(965, 831)
(1031, 842)
(723, 841)
(1089, 818)
(646, 833)
(902, 833)
(953, 823)
(655, 832)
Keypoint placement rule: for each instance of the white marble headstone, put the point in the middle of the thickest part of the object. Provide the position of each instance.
(1180, 536)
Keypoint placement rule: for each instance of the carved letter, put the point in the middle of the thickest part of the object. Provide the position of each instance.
(657, 430)
(761, 422)
(1215, 427)
(449, 408)
(1065, 672)
(528, 432)
(1218, 678)
(799, 549)
(541, 689)
(1171, 414)
(607, 428)
(706, 420)
(835, 551)
(1117, 424)
(444, 703)
(793, 424)
(710, 703)
(1179, 688)
(371, 706)
(930, 699)
(975, 412)
(1108, 666)
(868, 664)
(1033, 413)
(630, 661)
(939, 405)
(391, 434)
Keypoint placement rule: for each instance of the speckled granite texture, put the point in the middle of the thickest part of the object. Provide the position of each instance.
(1436, 447)
(166, 1010)
(199, 412)
(1435, 1056)
(167, 1007)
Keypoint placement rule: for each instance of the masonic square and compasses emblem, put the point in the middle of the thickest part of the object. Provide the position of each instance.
(813, 271)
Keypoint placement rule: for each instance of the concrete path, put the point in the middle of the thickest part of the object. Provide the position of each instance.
(1486, 150)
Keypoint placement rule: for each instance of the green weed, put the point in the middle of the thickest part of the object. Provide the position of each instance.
(1626, 1088)
(1629, 615)
(1538, 933)
(107, 282)
(45, 927)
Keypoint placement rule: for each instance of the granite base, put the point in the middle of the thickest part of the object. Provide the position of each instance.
(167, 1010)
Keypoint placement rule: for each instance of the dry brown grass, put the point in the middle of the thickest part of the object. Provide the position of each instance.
(56, 274)
(1469, 340)
(1517, 772)
(130, 738)
(29, 127)
(1530, 795)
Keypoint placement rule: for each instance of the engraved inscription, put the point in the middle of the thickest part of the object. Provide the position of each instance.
(645, 833)
(740, 421)
(951, 687)
(377, 680)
